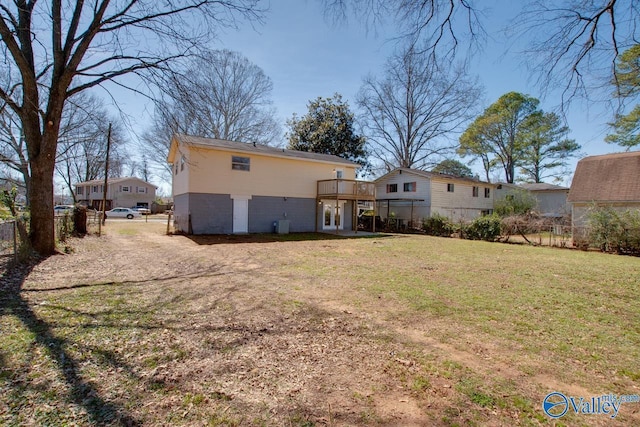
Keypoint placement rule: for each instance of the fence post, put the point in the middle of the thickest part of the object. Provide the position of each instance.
(15, 240)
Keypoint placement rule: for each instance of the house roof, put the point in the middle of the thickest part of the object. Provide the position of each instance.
(610, 178)
(542, 186)
(434, 175)
(114, 181)
(265, 150)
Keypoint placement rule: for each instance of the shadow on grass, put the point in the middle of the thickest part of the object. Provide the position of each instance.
(211, 272)
(219, 239)
(100, 411)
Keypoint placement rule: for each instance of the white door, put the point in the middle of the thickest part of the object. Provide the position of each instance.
(332, 214)
(240, 215)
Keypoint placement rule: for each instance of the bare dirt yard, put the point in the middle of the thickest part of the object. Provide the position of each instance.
(140, 328)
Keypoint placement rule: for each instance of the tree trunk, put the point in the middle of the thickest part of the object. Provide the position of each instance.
(41, 233)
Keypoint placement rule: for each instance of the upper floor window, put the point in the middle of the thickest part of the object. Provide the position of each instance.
(487, 193)
(240, 163)
(409, 186)
(392, 188)
(183, 160)
(125, 189)
(475, 191)
(142, 189)
(450, 188)
(79, 190)
(339, 174)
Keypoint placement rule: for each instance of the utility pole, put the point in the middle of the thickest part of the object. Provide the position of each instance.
(106, 182)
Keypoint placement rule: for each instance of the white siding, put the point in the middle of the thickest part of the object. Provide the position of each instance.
(402, 209)
(460, 204)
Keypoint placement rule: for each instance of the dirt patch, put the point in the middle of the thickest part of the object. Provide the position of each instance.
(171, 330)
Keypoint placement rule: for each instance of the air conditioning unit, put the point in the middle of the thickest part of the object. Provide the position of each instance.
(282, 226)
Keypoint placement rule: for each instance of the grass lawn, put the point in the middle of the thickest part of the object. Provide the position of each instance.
(399, 330)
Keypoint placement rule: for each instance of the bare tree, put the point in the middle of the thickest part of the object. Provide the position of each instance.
(575, 43)
(155, 142)
(53, 52)
(439, 25)
(83, 142)
(13, 153)
(410, 114)
(220, 94)
(572, 44)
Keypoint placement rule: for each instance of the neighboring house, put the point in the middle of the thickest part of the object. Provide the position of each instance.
(551, 200)
(121, 192)
(224, 187)
(411, 195)
(609, 180)
(504, 189)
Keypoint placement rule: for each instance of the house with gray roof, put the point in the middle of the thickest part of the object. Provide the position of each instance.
(408, 196)
(608, 180)
(227, 187)
(551, 200)
(123, 192)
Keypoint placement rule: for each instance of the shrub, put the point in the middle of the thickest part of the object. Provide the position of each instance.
(483, 228)
(612, 230)
(438, 225)
(517, 202)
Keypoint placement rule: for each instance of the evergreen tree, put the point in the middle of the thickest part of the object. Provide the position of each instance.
(328, 128)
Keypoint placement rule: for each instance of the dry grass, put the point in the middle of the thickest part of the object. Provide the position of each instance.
(142, 328)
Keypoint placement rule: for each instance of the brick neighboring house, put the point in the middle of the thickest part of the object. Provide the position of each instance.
(608, 180)
(121, 192)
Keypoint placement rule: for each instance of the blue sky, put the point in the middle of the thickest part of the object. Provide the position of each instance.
(306, 57)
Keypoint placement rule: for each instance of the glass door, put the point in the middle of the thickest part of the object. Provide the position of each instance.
(332, 212)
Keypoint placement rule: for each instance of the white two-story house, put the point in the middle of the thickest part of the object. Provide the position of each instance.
(410, 196)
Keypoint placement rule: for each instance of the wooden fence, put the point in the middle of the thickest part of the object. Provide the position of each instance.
(8, 241)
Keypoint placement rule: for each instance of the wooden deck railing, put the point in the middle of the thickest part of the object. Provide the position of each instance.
(347, 189)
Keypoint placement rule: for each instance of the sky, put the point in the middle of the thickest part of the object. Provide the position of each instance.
(306, 56)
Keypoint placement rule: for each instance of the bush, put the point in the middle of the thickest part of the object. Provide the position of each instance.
(612, 230)
(517, 202)
(438, 225)
(483, 228)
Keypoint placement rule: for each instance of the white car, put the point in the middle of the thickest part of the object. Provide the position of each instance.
(121, 213)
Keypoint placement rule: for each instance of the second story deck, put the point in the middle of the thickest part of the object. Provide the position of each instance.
(346, 189)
